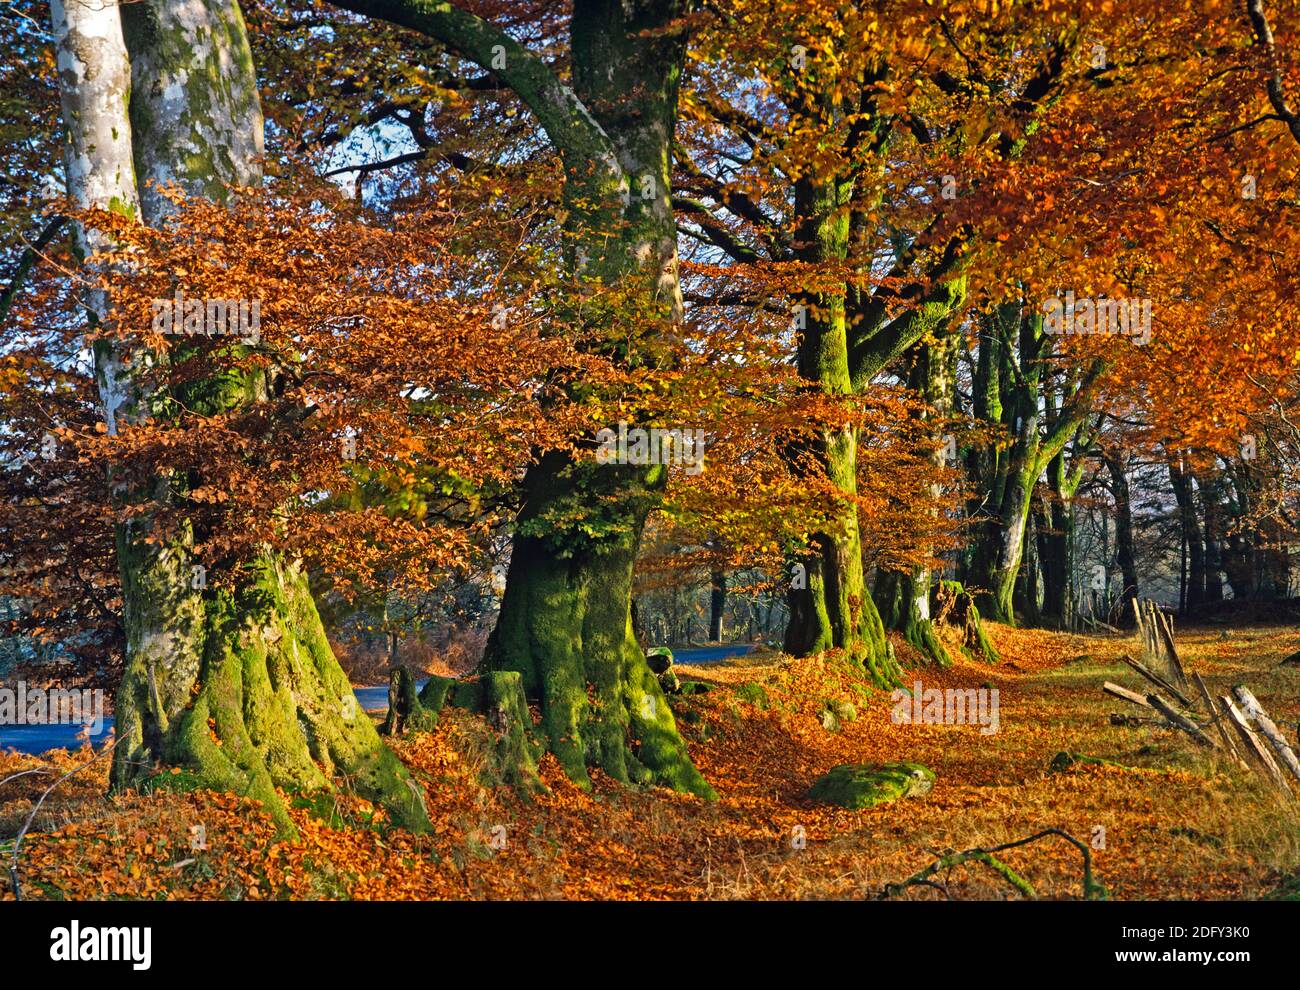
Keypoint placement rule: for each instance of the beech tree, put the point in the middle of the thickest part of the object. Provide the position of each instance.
(565, 622)
(237, 684)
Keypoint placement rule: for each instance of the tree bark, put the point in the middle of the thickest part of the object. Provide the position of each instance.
(1056, 543)
(717, 604)
(1007, 390)
(1124, 553)
(1189, 524)
(240, 687)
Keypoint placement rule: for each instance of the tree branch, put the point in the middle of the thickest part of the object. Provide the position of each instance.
(569, 125)
(26, 263)
(1264, 38)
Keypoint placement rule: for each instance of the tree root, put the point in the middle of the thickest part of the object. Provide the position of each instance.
(498, 695)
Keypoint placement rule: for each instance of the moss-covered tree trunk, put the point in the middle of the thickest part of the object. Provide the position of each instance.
(832, 606)
(268, 707)
(903, 597)
(1008, 390)
(1013, 359)
(232, 680)
(565, 622)
(566, 627)
(1056, 542)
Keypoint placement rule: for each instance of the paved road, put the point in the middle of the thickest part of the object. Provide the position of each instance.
(39, 738)
(709, 654)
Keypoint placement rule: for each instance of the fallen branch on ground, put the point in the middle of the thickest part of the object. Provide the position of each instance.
(1092, 890)
(22, 832)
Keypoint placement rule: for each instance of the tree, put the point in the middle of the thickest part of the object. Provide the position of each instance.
(565, 622)
(237, 684)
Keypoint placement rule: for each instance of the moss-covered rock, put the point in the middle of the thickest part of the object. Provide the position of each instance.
(1066, 760)
(659, 659)
(857, 785)
(695, 687)
(844, 710)
(1287, 890)
(835, 712)
(755, 694)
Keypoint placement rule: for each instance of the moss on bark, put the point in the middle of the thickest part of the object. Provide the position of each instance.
(406, 710)
(269, 708)
(566, 627)
(954, 604)
(898, 595)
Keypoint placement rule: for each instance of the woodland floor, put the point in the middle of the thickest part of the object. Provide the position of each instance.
(1178, 824)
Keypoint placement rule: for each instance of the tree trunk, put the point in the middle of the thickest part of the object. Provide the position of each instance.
(1004, 479)
(1007, 392)
(717, 604)
(565, 622)
(999, 548)
(1124, 552)
(1026, 595)
(239, 688)
(904, 598)
(834, 610)
(832, 607)
(566, 627)
(1189, 524)
(1221, 560)
(1056, 545)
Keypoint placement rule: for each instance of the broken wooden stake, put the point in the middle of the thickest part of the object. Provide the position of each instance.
(1252, 744)
(1157, 680)
(1165, 626)
(1126, 694)
(1156, 634)
(1179, 722)
(1217, 719)
(1255, 710)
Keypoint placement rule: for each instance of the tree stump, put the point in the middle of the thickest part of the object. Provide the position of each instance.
(406, 711)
